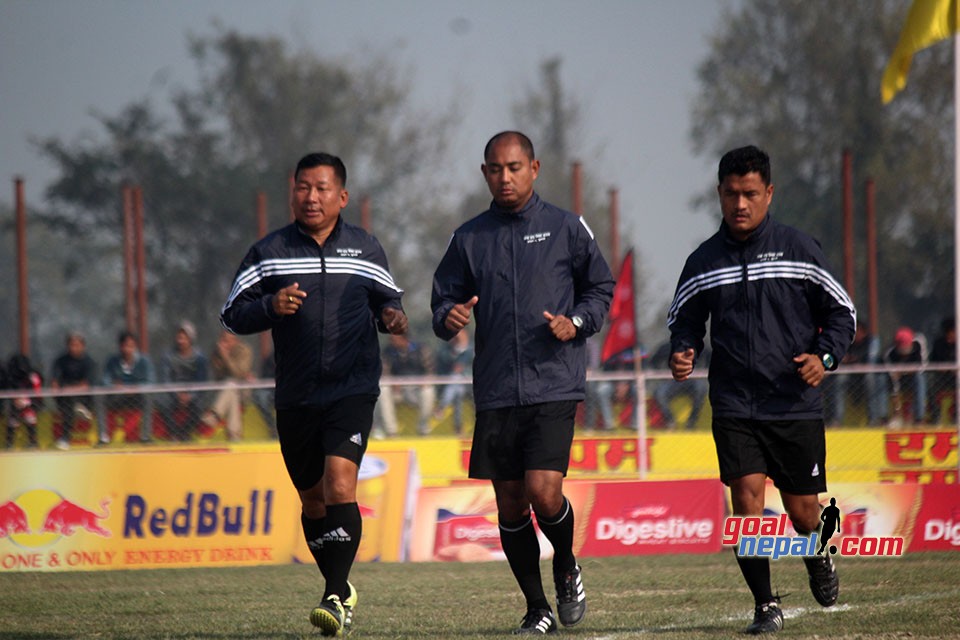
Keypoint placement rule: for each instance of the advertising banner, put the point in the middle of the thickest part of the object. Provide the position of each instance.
(459, 523)
(855, 456)
(937, 526)
(112, 511)
(641, 518)
(879, 516)
(92, 511)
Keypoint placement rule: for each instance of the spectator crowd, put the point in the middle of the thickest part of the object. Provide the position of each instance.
(908, 390)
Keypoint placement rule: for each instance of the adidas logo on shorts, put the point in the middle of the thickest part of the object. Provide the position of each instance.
(357, 439)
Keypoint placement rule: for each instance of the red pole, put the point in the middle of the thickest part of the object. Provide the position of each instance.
(615, 228)
(291, 183)
(577, 183)
(129, 302)
(262, 231)
(23, 292)
(874, 304)
(261, 205)
(141, 269)
(366, 220)
(848, 275)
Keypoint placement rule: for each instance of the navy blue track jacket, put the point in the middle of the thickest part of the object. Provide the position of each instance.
(329, 349)
(769, 299)
(521, 264)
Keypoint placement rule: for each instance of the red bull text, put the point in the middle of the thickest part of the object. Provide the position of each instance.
(202, 515)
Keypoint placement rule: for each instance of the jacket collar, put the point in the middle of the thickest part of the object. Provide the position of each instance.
(532, 205)
(333, 234)
(762, 231)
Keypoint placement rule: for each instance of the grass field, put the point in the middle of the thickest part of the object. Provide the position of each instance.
(663, 597)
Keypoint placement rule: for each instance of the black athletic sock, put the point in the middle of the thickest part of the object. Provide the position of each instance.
(312, 533)
(558, 528)
(756, 571)
(520, 545)
(341, 539)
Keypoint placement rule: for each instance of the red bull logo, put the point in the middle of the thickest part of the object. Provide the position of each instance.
(35, 520)
(13, 519)
(205, 514)
(39, 517)
(67, 517)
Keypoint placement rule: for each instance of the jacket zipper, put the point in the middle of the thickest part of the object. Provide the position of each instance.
(323, 305)
(516, 317)
(745, 300)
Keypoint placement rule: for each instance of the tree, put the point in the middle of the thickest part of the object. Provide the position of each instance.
(258, 108)
(553, 120)
(802, 80)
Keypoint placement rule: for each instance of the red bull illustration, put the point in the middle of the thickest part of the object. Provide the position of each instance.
(40, 517)
(67, 517)
(13, 519)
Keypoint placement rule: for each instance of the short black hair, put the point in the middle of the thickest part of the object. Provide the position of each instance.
(125, 335)
(744, 160)
(525, 144)
(321, 159)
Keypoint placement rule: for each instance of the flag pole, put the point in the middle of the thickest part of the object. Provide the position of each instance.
(640, 411)
(956, 217)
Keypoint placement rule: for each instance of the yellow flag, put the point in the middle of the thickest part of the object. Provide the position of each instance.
(929, 21)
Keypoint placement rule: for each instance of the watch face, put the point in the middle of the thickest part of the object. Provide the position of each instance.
(828, 361)
(577, 321)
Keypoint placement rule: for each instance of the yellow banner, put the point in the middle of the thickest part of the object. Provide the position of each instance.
(853, 455)
(178, 508)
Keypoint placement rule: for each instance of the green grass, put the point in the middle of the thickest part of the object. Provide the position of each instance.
(689, 597)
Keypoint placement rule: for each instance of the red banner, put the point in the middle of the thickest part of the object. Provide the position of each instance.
(937, 527)
(623, 327)
(641, 518)
(459, 523)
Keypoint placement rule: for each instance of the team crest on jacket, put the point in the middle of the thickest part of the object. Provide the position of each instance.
(531, 238)
(769, 256)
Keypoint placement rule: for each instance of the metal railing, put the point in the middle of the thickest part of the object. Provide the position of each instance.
(854, 396)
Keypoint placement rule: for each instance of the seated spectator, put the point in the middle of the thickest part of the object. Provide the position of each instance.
(231, 362)
(838, 385)
(402, 357)
(623, 392)
(694, 389)
(943, 385)
(21, 375)
(598, 404)
(128, 368)
(73, 370)
(184, 363)
(263, 398)
(908, 348)
(454, 358)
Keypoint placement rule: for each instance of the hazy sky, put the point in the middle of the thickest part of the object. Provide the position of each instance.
(631, 64)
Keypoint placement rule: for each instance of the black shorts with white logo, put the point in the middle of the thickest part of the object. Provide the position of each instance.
(511, 440)
(309, 434)
(790, 452)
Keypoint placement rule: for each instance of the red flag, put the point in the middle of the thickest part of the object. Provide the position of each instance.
(623, 327)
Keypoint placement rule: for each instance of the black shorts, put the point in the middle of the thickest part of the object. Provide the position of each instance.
(790, 452)
(309, 434)
(509, 441)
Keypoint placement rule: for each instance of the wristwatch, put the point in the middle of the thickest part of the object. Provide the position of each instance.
(829, 362)
(577, 322)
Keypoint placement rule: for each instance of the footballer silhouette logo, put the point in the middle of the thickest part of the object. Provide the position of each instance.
(830, 524)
